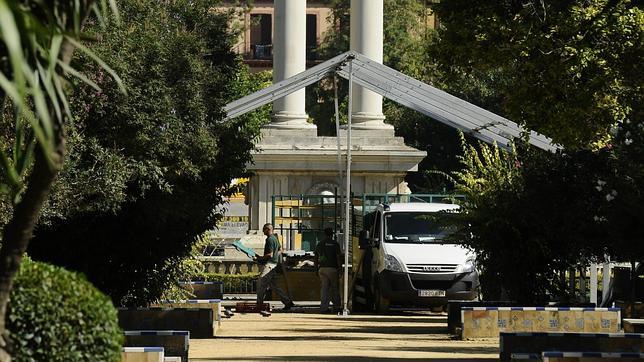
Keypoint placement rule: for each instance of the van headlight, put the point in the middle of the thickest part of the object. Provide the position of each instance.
(391, 263)
(466, 267)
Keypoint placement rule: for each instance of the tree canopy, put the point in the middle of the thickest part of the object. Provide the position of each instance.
(568, 69)
(146, 170)
(531, 215)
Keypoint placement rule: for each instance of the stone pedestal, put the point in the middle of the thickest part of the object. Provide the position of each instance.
(292, 163)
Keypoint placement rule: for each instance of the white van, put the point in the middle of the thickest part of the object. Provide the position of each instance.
(409, 262)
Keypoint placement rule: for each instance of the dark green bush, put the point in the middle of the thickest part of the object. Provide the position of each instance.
(57, 315)
(231, 281)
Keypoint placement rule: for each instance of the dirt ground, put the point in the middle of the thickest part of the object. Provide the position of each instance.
(307, 336)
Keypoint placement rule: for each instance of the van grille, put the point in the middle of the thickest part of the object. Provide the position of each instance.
(431, 268)
(432, 284)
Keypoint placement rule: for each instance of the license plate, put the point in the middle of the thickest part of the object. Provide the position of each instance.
(431, 293)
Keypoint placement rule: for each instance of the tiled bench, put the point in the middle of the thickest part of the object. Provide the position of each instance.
(524, 357)
(175, 343)
(142, 354)
(633, 325)
(513, 345)
(488, 322)
(592, 356)
(555, 356)
(214, 304)
(454, 321)
(199, 322)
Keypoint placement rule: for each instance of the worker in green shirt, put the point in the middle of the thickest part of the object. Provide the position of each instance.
(328, 259)
(268, 264)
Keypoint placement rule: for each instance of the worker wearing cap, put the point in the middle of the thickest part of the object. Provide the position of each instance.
(328, 258)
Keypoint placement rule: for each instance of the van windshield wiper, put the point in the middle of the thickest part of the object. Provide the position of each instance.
(404, 239)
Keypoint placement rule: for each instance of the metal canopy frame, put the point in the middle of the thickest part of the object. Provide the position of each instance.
(403, 89)
(284, 88)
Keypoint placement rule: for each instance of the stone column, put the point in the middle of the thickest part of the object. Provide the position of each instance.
(366, 38)
(289, 58)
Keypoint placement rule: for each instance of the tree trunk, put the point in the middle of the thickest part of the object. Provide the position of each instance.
(18, 231)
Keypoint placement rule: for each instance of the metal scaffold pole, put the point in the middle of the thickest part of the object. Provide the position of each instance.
(347, 194)
(338, 139)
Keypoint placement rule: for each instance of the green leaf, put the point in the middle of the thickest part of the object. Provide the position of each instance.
(44, 120)
(11, 36)
(67, 68)
(76, 16)
(10, 172)
(11, 90)
(115, 11)
(100, 62)
(99, 15)
(62, 96)
(47, 82)
(54, 51)
(45, 142)
(25, 158)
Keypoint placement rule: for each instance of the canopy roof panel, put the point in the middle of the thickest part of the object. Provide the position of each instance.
(400, 88)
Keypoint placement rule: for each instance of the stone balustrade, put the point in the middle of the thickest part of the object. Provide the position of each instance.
(230, 266)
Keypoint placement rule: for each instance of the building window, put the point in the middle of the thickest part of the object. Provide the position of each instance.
(311, 36)
(261, 40)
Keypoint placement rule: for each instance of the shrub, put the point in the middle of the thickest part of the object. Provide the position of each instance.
(531, 216)
(147, 169)
(230, 281)
(57, 315)
(192, 268)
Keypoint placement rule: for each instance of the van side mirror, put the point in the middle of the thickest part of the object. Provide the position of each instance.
(363, 242)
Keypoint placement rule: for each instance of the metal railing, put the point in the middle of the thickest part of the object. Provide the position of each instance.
(301, 219)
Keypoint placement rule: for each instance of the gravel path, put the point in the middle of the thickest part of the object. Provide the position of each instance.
(301, 336)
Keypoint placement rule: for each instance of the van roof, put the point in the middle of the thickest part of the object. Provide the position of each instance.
(421, 206)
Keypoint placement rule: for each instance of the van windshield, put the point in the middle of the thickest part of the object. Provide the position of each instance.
(418, 227)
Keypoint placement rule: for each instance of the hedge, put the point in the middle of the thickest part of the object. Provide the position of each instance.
(57, 315)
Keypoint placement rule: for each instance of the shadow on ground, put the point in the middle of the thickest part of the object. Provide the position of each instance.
(384, 329)
(445, 349)
(387, 319)
(344, 358)
(307, 338)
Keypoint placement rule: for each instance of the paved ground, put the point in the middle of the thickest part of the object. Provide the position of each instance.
(306, 336)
